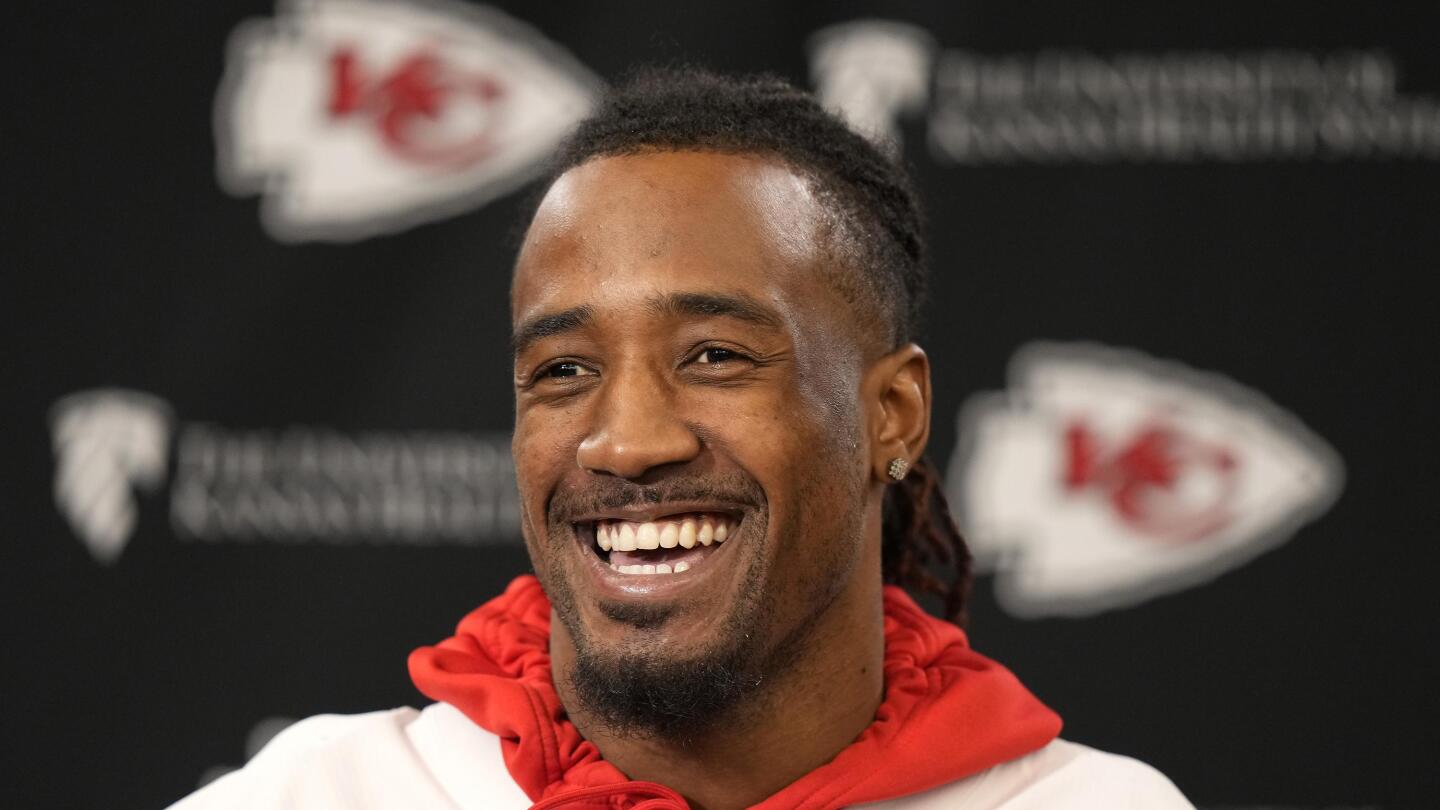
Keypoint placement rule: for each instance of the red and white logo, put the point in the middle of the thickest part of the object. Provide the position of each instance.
(1103, 477)
(358, 117)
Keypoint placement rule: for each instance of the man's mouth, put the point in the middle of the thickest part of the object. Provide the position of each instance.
(672, 544)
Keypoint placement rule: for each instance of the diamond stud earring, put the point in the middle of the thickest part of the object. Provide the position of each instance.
(898, 468)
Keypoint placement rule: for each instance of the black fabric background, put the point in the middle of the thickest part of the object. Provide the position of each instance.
(1305, 678)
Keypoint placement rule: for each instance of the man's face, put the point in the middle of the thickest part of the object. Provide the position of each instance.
(684, 374)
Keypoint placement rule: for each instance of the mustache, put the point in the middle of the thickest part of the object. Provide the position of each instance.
(602, 493)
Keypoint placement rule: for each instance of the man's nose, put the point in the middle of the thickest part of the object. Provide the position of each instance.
(636, 429)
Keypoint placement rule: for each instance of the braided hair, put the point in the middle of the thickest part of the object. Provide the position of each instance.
(876, 238)
(920, 534)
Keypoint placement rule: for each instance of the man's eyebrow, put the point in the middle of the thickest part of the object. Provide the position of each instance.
(732, 305)
(554, 323)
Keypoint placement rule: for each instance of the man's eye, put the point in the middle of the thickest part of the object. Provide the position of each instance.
(715, 355)
(566, 370)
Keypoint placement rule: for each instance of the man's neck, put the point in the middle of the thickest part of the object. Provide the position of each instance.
(808, 714)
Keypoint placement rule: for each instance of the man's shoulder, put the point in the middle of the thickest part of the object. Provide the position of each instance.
(395, 758)
(1062, 775)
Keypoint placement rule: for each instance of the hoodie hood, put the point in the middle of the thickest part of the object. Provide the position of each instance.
(947, 713)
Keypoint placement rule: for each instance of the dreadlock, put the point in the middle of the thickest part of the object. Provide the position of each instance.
(876, 240)
(919, 533)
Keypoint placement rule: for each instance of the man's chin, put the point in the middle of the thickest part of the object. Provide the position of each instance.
(664, 669)
(657, 692)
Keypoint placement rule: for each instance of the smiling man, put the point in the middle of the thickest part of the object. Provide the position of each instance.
(721, 417)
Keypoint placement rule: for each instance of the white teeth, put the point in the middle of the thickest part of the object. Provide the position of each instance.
(660, 568)
(622, 535)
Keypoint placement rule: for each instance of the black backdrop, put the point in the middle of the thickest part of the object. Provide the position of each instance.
(1303, 678)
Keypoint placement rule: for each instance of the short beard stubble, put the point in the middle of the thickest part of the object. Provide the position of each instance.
(639, 692)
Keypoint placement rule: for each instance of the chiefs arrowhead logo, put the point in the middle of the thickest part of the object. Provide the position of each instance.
(107, 443)
(358, 117)
(1103, 477)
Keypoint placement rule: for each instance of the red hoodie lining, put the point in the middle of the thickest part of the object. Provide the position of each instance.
(940, 696)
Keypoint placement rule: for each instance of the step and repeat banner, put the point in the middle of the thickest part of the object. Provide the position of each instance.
(259, 400)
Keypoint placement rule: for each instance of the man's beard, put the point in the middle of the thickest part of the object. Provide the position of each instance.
(641, 692)
(638, 690)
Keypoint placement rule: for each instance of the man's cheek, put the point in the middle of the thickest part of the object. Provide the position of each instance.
(769, 419)
(533, 457)
(531, 487)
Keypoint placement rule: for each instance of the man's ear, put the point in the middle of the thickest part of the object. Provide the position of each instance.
(898, 388)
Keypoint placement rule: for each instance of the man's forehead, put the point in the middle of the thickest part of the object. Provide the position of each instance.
(667, 219)
(692, 178)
